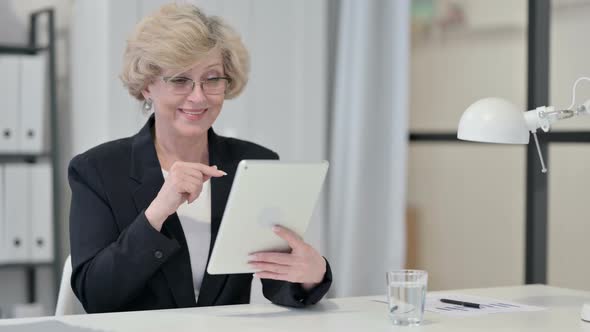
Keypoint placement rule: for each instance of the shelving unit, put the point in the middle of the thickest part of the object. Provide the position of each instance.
(52, 154)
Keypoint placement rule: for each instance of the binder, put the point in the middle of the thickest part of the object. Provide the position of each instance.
(2, 212)
(16, 217)
(9, 103)
(34, 118)
(41, 218)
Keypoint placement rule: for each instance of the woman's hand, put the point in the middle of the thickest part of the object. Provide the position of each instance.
(303, 265)
(183, 184)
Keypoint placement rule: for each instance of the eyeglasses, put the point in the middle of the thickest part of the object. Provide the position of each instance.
(183, 85)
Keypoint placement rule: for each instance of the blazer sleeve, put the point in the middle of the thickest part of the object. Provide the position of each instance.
(109, 266)
(292, 294)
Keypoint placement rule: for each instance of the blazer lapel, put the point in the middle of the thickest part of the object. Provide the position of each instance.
(220, 188)
(146, 170)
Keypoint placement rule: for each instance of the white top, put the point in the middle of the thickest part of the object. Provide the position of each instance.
(195, 219)
(343, 314)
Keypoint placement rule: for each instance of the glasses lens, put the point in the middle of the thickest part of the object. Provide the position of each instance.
(215, 86)
(180, 85)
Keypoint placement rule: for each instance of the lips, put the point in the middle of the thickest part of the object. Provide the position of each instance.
(192, 112)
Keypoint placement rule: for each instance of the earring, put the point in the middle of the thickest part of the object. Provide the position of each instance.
(147, 104)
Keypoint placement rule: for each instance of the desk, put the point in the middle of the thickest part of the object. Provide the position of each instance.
(342, 314)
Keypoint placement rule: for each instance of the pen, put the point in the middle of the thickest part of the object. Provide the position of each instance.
(465, 304)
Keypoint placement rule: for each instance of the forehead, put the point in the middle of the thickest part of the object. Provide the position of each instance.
(212, 60)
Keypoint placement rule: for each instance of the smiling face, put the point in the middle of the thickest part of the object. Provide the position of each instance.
(181, 110)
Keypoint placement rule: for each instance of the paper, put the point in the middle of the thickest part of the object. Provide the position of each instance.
(488, 305)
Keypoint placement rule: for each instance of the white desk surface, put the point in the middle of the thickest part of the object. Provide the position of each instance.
(341, 314)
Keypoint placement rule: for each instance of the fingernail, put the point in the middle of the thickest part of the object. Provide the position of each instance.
(252, 257)
(214, 166)
(276, 228)
(222, 172)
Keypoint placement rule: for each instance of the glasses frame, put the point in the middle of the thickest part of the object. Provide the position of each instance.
(166, 80)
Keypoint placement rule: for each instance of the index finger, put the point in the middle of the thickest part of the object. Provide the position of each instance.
(210, 171)
(288, 235)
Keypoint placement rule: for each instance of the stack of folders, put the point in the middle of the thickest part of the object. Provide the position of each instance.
(24, 117)
(26, 213)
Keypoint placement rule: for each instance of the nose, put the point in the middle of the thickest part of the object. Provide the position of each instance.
(197, 95)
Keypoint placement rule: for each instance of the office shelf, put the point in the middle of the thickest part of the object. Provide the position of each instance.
(9, 49)
(31, 48)
(9, 266)
(23, 158)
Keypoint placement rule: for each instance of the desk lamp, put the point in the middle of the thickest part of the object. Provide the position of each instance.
(495, 120)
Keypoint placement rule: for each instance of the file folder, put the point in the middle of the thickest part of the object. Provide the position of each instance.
(9, 103)
(16, 218)
(41, 207)
(2, 213)
(34, 118)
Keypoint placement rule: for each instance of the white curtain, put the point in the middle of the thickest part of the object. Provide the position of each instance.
(368, 145)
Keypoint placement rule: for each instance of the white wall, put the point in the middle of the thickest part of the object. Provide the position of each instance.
(569, 60)
(102, 110)
(469, 201)
(569, 214)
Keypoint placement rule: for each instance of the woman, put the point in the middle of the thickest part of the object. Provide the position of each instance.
(146, 209)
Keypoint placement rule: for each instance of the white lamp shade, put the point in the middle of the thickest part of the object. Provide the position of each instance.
(493, 120)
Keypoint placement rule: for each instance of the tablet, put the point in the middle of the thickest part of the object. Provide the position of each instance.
(264, 193)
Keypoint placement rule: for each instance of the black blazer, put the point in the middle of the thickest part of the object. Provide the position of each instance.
(121, 263)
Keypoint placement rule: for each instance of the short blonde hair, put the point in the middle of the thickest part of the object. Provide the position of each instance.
(175, 38)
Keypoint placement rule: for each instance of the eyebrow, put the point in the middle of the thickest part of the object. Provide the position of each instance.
(214, 64)
(185, 74)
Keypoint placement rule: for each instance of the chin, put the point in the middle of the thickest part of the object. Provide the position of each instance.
(193, 129)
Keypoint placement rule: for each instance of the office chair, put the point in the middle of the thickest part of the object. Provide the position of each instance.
(67, 302)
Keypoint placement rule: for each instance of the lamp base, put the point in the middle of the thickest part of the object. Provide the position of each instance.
(585, 315)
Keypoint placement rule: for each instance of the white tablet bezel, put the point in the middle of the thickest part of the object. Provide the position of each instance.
(264, 193)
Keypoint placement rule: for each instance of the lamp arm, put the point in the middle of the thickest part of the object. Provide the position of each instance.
(574, 90)
(543, 117)
(583, 109)
(543, 168)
